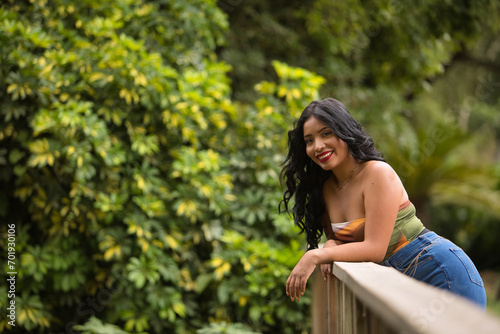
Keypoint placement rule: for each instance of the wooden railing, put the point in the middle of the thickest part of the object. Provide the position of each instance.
(369, 298)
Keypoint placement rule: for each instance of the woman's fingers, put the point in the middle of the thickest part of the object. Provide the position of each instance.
(289, 287)
(326, 269)
(302, 288)
(297, 289)
(294, 287)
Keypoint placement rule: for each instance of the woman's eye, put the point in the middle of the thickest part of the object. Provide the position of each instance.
(327, 133)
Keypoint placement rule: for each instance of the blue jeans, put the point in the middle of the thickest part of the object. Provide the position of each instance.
(437, 261)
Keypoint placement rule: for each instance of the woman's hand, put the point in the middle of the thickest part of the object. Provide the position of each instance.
(326, 269)
(296, 283)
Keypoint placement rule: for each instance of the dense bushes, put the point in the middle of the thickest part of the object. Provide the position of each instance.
(144, 194)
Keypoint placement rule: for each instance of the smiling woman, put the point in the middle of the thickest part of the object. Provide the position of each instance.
(345, 189)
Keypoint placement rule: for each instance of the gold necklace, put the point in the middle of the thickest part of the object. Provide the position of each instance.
(339, 188)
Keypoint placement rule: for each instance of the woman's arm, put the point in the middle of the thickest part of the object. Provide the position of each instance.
(382, 193)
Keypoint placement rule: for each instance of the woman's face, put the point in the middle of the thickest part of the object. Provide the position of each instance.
(322, 145)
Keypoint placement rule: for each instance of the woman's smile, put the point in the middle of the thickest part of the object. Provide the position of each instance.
(324, 156)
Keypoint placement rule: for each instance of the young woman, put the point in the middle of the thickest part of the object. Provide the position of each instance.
(344, 188)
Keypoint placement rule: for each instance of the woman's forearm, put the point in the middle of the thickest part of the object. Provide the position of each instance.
(349, 252)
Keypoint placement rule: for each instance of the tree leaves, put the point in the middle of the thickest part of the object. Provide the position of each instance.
(136, 173)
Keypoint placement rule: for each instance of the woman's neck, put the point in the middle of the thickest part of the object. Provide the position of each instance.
(345, 172)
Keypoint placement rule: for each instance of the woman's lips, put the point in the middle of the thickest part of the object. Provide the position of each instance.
(324, 157)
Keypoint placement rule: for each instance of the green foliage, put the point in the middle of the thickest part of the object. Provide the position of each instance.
(101, 105)
(96, 326)
(263, 266)
(355, 44)
(223, 327)
(144, 189)
(130, 173)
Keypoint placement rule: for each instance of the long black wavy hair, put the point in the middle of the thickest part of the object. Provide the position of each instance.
(304, 178)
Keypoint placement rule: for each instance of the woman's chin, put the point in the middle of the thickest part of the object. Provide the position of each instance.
(325, 167)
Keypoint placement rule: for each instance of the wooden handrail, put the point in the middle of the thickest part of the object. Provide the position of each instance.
(369, 298)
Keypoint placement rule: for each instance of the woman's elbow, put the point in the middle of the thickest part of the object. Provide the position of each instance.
(378, 258)
(376, 253)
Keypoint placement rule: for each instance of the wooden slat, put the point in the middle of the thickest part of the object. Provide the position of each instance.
(338, 308)
(333, 288)
(410, 306)
(319, 308)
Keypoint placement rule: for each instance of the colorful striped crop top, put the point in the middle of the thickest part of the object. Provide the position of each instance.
(406, 228)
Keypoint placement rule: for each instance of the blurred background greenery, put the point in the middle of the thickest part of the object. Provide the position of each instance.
(140, 144)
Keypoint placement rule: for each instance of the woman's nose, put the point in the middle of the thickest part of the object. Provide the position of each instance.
(319, 145)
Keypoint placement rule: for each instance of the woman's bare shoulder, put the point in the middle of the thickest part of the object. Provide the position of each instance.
(380, 172)
(378, 168)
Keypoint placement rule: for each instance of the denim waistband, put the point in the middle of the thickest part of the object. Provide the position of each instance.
(424, 231)
(425, 238)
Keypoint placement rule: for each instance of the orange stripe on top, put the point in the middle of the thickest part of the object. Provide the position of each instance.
(404, 205)
(353, 230)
